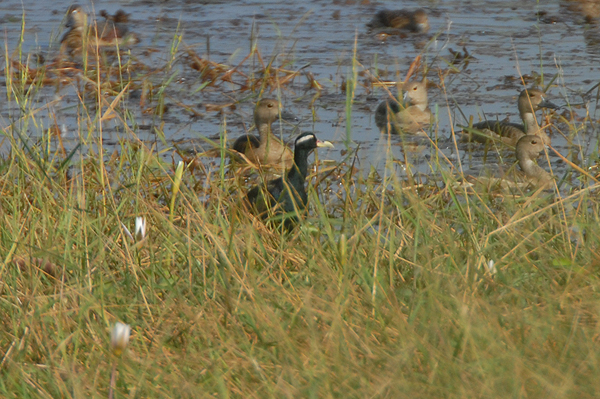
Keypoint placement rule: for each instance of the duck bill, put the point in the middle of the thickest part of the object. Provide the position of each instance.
(324, 144)
(548, 104)
(288, 116)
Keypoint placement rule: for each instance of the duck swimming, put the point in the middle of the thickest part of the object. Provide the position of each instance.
(530, 101)
(411, 117)
(413, 21)
(112, 33)
(528, 149)
(266, 149)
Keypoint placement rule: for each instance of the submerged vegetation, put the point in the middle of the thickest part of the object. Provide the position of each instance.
(435, 286)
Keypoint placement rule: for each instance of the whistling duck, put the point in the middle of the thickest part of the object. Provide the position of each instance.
(266, 149)
(411, 117)
(113, 32)
(414, 21)
(530, 101)
(529, 148)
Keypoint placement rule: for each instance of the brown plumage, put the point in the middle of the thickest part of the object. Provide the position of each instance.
(120, 17)
(590, 9)
(530, 101)
(112, 33)
(266, 149)
(410, 117)
(528, 149)
(413, 21)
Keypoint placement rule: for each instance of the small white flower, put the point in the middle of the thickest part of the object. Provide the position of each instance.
(491, 267)
(119, 337)
(140, 228)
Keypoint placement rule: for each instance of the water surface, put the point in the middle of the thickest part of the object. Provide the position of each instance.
(546, 43)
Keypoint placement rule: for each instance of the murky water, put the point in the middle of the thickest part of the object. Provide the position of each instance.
(505, 39)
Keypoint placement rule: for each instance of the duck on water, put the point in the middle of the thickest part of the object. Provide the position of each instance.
(530, 101)
(411, 116)
(82, 31)
(266, 149)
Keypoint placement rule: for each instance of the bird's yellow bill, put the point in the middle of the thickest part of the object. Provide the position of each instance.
(324, 144)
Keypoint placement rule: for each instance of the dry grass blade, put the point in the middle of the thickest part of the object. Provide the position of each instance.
(108, 114)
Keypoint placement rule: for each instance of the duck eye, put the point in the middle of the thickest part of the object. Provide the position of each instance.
(270, 105)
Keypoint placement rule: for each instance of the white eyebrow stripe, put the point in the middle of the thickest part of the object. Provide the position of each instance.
(304, 139)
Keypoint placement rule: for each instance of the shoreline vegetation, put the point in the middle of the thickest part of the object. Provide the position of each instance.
(432, 286)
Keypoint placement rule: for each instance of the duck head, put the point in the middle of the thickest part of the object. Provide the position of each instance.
(531, 100)
(76, 17)
(268, 111)
(415, 93)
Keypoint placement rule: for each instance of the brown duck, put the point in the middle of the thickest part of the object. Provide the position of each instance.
(529, 148)
(266, 149)
(410, 117)
(530, 101)
(413, 21)
(112, 33)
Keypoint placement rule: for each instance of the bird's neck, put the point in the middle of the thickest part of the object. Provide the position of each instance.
(299, 169)
(531, 124)
(535, 173)
(529, 166)
(264, 130)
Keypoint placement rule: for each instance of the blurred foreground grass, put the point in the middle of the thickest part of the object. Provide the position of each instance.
(392, 297)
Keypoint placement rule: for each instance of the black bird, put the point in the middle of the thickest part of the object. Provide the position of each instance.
(286, 196)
